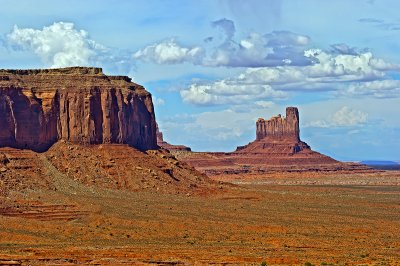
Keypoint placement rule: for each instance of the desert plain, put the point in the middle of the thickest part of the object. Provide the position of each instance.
(279, 219)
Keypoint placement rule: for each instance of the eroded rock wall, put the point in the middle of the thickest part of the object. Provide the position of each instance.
(280, 128)
(80, 105)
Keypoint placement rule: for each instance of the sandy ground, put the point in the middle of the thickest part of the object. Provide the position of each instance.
(288, 220)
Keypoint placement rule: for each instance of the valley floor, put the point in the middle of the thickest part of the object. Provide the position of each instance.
(280, 220)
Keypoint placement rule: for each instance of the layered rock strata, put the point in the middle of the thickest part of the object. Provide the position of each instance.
(77, 104)
(278, 136)
(277, 148)
(280, 128)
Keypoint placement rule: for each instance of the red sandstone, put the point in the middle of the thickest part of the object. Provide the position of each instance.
(77, 104)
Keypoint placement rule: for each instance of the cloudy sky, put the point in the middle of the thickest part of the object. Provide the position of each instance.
(216, 66)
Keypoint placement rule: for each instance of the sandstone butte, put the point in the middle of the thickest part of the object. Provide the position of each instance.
(77, 206)
(277, 148)
(81, 105)
(78, 104)
(50, 120)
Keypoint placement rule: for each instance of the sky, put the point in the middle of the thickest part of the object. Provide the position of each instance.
(214, 67)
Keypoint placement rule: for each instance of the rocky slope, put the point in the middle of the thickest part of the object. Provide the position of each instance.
(77, 104)
(50, 118)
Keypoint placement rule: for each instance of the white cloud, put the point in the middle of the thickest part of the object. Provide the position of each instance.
(344, 117)
(328, 72)
(376, 88)
(169, 52)
(228, 92)
(345, 67)
(256, 50)
(58, 45)
(227, 25)
(264, 104)
(285, 49)
(348, 117)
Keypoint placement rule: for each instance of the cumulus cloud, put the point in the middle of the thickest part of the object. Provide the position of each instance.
(264, 104)
(58, 45)
(169, 52)
(228, 92)
(257, 50)
(228, 26)
(327, 72)
(377, 88)
(344, 117)
(342, 48)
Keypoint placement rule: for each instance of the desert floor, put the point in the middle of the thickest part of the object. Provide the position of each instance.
(286, 219)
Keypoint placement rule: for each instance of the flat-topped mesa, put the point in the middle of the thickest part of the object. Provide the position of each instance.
(279, 128)
(38, 107)
(56, 71)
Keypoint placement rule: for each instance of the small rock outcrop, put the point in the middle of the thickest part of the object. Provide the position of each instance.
(76, 104)
(162, 143)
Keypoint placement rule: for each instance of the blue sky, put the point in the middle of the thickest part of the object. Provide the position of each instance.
(215, 66)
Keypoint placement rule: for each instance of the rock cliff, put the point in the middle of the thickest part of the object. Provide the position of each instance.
(77, 104)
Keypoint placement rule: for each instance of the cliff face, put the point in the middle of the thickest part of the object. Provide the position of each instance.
(280, 128)
(80, 105)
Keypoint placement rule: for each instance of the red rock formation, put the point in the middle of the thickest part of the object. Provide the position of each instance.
(77, 104)
(162, 143)
(277, 148)
(278, 136)
(280, 128)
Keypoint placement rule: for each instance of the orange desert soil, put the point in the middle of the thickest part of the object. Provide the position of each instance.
(114, 205)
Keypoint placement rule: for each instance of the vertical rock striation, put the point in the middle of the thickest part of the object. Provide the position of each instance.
(280, 128)
(277, 136)
(80, 105)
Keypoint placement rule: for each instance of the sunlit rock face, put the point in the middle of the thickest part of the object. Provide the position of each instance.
(280, 128)
(277, 136)
(77, 104)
